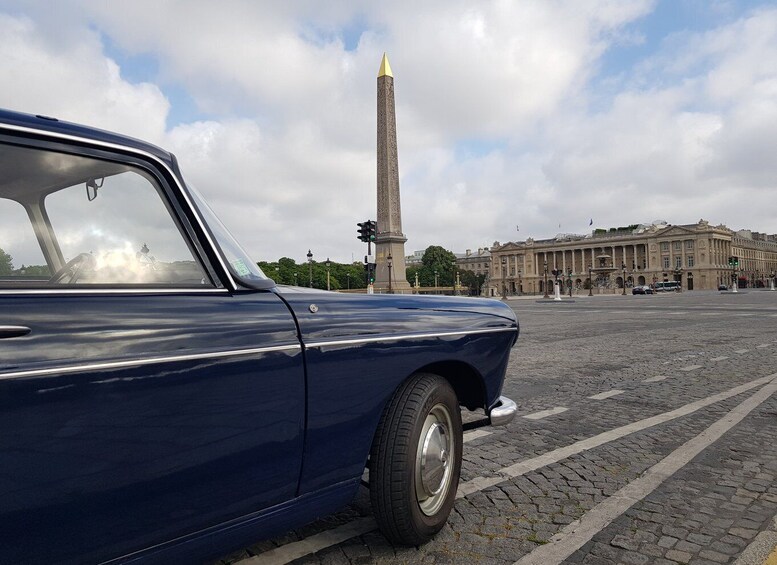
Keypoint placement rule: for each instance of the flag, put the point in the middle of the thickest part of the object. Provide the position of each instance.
(591, 222)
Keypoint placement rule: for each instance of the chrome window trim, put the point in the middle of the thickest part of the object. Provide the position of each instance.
(403, 337)
(123, 290)
(145, 154)
(147, 361)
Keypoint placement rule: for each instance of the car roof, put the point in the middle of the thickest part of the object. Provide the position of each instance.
(19, 120)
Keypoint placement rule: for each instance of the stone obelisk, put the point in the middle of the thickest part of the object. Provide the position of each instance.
(390, 275)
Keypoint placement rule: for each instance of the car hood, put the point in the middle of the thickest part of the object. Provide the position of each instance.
(323, 315)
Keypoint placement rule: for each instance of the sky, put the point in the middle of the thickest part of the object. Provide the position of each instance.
(515, 119)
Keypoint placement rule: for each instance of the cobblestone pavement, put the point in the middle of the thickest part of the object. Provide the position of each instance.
(663, 370)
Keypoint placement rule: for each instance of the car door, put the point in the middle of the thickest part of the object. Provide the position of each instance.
(141, 399)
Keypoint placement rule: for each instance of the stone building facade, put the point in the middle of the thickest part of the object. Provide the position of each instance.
(696, 255)
(478, 262)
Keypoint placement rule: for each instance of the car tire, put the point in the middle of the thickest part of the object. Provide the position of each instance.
(415, 460)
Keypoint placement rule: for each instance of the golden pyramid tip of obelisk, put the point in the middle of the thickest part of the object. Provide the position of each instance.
(385, 68)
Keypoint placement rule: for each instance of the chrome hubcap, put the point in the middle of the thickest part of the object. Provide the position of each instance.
(433, 460)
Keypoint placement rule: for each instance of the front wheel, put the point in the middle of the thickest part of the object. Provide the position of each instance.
(415, 460)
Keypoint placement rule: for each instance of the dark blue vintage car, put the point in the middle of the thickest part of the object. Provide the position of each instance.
(162, 400)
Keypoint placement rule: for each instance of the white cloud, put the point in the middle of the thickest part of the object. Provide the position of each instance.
(74, 81)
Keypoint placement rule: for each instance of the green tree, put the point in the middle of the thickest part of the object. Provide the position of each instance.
(470, 282)
(437, 259)
(283, 271)
(6, 263)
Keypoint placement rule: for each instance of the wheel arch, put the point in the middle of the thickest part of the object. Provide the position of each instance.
(467, 382)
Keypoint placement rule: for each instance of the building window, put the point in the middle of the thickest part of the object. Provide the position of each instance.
(689, 244)
(664, 246)
(678, 245)
(690, 261)
(678, 262)
(666, 262)
(512, 271)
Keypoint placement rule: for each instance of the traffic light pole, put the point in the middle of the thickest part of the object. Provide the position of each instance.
(370, 274)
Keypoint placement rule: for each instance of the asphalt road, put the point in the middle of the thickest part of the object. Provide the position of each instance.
(647, 433)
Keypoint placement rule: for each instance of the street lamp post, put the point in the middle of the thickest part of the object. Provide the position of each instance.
(435, 281)
(624, 281)
(310, 269)
(590, 283)
(327, 274)
(388, 261)
(348, 278)
(545, 284)
(295, 279)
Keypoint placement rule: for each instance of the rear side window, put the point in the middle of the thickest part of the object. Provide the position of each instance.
(77, 220)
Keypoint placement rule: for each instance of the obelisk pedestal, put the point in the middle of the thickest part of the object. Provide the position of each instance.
(390, 275)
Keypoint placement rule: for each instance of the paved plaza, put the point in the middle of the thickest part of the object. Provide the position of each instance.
(646, 434)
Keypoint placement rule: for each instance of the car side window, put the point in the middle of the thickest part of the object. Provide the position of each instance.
(87, 221)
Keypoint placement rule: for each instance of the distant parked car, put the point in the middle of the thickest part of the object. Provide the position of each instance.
(722, 287)
(642, 289)
(164, 401)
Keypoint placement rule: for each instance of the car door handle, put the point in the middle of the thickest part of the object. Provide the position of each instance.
(13, 331)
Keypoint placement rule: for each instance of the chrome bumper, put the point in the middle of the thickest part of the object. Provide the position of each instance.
(503, 412)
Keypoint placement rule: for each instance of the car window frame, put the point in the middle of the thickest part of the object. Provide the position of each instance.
(170, 191)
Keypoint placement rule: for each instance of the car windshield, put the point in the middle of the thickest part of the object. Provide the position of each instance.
(240, 264)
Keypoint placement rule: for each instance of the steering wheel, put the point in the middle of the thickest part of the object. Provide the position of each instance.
(71, 270)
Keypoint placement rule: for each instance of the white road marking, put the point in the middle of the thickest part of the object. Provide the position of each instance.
(608, 394)
(291, 551)
(763, 345)
(690, 368)
(475, 434)
(741, 351)
(745, 315)
(656, 379)
(545, 413)
(576, 534)
(318, 542)
(708, 313)
(556, 455)
(721, 358)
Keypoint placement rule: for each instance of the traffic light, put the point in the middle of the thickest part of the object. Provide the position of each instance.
(730, 261)
(372, 230)
(367, 230)
(736, 261)
(363, 232)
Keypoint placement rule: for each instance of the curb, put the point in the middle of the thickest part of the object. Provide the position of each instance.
(762, 550)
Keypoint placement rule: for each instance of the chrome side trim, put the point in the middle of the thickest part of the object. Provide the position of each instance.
(402, 337)
(147, 361)
(54, 290)
(503, 412)
(147, 155)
